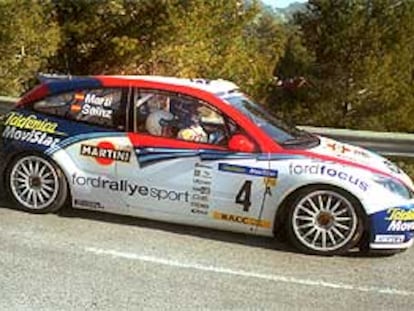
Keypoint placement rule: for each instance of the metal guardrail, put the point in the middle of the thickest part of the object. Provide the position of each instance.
(6, 103)
(386, 143)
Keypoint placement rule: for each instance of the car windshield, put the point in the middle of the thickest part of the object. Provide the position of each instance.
(281, 132)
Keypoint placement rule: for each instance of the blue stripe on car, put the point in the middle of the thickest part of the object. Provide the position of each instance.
(61, 86)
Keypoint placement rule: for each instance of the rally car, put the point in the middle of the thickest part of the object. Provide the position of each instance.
(201, 153)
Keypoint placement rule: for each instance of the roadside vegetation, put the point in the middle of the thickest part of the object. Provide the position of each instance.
(334, 63)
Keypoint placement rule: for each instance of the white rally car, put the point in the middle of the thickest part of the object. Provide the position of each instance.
(201, 153)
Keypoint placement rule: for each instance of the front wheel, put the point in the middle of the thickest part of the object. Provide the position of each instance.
(324, 221)
(36, 184)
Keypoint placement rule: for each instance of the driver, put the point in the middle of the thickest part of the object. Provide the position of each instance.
(160, 123)
(189, 122)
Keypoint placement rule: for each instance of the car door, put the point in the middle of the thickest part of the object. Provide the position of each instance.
(93, 123)
(195, 182)
(243, 189)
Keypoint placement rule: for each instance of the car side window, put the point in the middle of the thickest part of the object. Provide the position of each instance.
(94, 106)
(180, 117)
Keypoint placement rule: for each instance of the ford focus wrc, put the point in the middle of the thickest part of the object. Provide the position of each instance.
(201, 153)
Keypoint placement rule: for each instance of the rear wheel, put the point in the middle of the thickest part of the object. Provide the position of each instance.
(36, 184)
(324, 221)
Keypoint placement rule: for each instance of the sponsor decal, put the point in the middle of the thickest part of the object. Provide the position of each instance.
(31, 129)
(31, 122)
(392, 167)
(242, 220)
(89, 204)
(99, 101)
(201, 191)
(323, 170)
(202, 165)
(246, 170)
(200, 181)
(94, 105)
(202, 172)
(393, 222)
(79, 97)
(200, 197)
(199, 211)
(270, 182)
(336, 147)
(105, 153)
(129, 188)
(397, 213)
(89, 110)
(199, 205)
(389, 238)
(343, 149)
(75, 108)
(399, 225)
(400, 219)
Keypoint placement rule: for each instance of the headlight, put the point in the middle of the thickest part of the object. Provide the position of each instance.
(394, 186)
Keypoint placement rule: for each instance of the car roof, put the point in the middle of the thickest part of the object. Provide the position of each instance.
(57, 84)
(217, 87)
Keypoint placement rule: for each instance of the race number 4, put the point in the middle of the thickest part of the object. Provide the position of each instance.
(244, 195)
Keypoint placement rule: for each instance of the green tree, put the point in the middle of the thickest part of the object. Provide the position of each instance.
(213, 39)
(363, 52)
(108, 36)
(29, 35)
(293, 92)
(233, 40)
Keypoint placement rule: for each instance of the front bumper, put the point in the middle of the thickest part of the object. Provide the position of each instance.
(392, 228)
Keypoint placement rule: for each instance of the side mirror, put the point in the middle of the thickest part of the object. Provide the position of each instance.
(241, 143)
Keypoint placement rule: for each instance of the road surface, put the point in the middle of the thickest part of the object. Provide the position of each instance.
(80, 260)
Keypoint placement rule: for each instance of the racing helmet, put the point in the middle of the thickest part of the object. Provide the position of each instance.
(159, 123)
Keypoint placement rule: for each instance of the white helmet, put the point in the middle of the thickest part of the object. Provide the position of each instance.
(157, 121)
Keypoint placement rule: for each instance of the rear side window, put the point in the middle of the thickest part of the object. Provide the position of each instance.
(96, 106)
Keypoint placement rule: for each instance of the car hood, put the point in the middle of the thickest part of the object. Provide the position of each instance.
(361, 156)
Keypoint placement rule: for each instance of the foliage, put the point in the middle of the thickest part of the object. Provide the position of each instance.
(336, 63)
(406, 164)
(362, 72)
(108, 37)
(29, 35)
(199, 38)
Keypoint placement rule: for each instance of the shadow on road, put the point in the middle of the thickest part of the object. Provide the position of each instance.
(206, 233)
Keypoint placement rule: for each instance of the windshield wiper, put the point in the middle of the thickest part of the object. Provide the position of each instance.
(307, 139)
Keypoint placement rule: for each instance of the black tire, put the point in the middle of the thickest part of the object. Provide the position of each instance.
(336, 225)
(35, 184)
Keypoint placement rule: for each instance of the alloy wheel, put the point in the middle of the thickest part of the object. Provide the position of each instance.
(34, 182)
(324, 221)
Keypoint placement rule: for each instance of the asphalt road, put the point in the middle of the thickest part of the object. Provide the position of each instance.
(82, 260)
